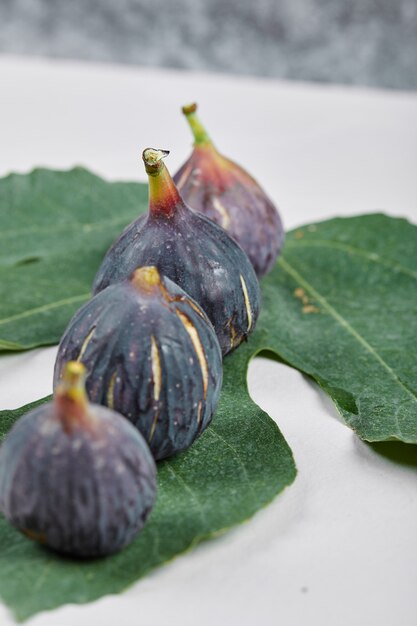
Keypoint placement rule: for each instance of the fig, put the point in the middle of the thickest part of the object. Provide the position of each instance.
(74, 476)
(191, 250)
(223, 191)
(152, 355)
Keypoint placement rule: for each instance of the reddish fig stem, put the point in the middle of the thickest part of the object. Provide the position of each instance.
(163, 194)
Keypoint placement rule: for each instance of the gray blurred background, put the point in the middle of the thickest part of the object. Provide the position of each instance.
(364, 42)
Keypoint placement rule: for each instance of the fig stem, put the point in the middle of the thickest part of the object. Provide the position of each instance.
(73, 379)
(201, 136)
(163, 194)
(146, 278)
(70, 397)
(152, 157)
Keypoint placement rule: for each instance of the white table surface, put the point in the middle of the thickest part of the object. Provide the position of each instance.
(339, 545)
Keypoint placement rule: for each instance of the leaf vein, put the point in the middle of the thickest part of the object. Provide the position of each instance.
(189, 490)
(89, 226)
(44, 308)
(236, 456)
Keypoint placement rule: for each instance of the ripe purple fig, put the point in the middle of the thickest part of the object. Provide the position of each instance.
(75, 476)
(152, 355)
(223, 191)
(191, 250)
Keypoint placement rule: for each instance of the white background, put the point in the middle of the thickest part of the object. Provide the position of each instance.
(339, 545)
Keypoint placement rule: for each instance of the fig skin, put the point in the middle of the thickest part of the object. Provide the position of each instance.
(191, 250)
(223, 191)
(152, 355)
(76, 477)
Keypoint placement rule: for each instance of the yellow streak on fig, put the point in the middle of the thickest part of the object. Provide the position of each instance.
(110, 392)
(195, 308)
(185, 175)
(192, 331)
(247, 302)
(156, 369)
(85, 343)
(157, 381)
(233, 336)
(155, 419)
(200, 406)
(221, 209)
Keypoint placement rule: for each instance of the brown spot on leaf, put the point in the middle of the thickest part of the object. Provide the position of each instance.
(307, 306)
(310, 308)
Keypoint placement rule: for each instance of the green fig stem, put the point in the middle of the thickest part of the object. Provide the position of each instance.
(163, 194)
(70, 398)
(201, 137)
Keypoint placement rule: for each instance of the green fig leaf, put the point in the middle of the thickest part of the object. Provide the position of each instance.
(54, 229)
(238, 465)
(341, 306)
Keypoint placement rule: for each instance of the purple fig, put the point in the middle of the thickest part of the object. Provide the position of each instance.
(191, 250)
(74, 476)
(223, 191)
(152, 355)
